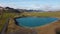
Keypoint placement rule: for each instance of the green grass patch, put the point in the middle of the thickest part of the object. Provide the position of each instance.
(2, 24)
(4, 18)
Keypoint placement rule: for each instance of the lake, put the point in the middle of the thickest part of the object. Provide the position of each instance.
(34, 21)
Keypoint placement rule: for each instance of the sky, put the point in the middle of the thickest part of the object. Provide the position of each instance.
(32, 4)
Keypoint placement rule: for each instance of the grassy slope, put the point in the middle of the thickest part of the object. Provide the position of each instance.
(51, 14)
(3, 20)
(12, 15)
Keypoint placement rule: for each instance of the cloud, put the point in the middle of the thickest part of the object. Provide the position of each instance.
(32, 6)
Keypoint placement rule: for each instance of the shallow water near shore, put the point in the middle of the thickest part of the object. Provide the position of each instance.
(34, 21)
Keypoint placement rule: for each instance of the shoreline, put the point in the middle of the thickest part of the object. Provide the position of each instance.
(34, 27)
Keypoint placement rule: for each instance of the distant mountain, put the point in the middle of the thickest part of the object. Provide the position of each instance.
(24, 10)
(8, 9)
(12, 10)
